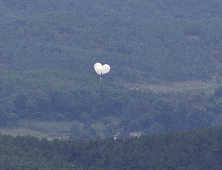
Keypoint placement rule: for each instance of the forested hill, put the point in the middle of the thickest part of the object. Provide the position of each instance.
(47, 81)
(111, 9)
(170, 151)
(47, 56)
(149, 41)
(153, 51)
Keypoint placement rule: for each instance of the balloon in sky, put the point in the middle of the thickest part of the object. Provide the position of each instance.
(101, 69)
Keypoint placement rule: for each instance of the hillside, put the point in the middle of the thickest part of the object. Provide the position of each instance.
(48, 53)
(164, 87)
(109, 9)
(138, 52)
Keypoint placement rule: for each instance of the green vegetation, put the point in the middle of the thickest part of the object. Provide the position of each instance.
(48, 87)
(172, 150)
(80, 107)
(47, 71)
(47, 74)
(151, 51)
(113, 9)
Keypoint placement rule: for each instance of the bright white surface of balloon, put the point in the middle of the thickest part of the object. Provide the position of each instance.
(101, 69)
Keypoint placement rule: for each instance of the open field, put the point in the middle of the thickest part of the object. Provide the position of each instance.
(183, 86)
(47, 129)
(22, 132)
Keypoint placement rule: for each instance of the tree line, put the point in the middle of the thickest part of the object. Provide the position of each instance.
(196, 149)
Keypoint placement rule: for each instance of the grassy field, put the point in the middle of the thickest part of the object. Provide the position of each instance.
(176, 86)
(51, 129)
(23, 131)
(46, 129)
(184, 86)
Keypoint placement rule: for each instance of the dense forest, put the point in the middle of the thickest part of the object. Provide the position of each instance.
(185, 150)
(154, 51)
(113, 9)
(58, 96)
(47, 81)
(47, 73)
(172, 41)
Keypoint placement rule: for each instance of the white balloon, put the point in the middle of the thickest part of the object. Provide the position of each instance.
(97, 64)
(101, 69)
(105, 68)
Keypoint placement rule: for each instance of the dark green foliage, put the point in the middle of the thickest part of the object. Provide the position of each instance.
(63, 46)
(171, 151)
(61, 96)
(47, 53)
(113, 9)
(172, 50)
